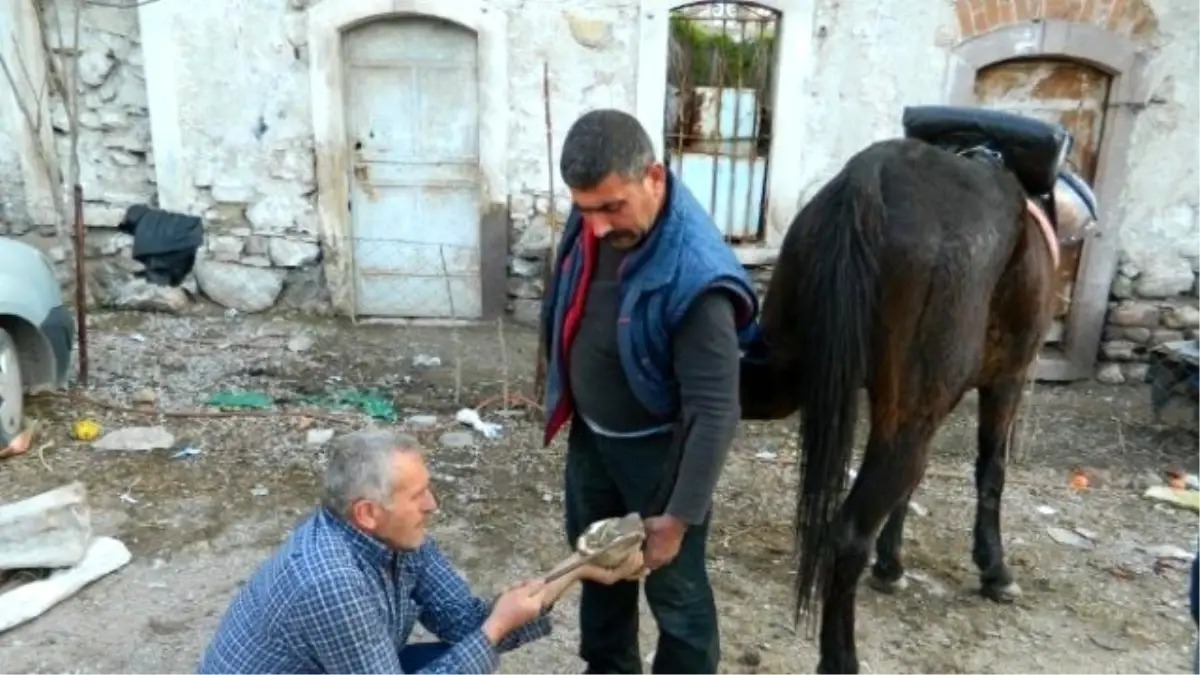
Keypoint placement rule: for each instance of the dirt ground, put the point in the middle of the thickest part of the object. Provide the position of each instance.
(198, 525)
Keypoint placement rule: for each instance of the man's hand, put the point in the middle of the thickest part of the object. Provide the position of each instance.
(664, 534)
(632, 569)
(519, 604)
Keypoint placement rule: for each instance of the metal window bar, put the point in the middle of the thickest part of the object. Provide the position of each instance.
(722, 157)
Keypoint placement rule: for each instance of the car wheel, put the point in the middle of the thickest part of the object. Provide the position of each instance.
(11, 390)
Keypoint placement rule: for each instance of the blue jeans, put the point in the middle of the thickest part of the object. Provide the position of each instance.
(418, 655)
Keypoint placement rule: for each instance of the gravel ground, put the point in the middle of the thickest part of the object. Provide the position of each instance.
(198, 526)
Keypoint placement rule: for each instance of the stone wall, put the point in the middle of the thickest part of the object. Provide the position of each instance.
(241, 149)
(1145, 311)
(116, 168)
(115, 156)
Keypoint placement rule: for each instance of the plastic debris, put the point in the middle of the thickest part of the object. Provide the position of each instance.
(1181, 498)
(1069, 538)
(85, 430)
(136, 439)
(426, 361)
(188, 451)
(372, 403)
(471, 418)
(240, 399)
(19, 445)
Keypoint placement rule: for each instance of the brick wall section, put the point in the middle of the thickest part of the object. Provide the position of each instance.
(1127, 17)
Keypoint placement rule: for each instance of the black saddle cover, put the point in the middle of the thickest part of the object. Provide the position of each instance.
(1032, 150)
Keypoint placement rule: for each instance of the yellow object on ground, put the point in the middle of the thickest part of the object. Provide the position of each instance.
(86, 430)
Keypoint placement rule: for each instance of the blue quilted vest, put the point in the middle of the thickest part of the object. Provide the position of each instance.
(682, 257)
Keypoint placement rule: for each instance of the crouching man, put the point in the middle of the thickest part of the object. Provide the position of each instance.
(343, 593)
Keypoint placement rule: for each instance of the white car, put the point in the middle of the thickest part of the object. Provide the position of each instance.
(37, 331)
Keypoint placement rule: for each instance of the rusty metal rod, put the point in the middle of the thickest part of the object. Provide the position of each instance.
(80, 289)
(543, 352)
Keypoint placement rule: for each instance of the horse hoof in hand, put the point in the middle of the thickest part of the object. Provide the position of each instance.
(1004, 593)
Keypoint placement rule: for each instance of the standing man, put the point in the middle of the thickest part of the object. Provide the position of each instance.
(646, 316)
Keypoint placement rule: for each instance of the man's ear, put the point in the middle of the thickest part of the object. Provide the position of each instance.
(365, 515)
(657, 172)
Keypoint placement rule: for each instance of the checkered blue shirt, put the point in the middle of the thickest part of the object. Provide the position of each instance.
(334, 600)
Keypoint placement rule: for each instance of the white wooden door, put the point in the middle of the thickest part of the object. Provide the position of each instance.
(412, 116)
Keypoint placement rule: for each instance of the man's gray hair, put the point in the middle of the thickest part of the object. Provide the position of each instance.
(360, 467)
(604, 142)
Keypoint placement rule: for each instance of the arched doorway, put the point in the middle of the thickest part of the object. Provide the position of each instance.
(412, 120)
(1064, 92)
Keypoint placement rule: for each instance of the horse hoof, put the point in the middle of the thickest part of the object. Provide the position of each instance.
(886, 586)
(849, 668)
(1002, 593)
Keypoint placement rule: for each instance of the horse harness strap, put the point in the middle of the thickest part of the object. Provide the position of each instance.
(1048, 233)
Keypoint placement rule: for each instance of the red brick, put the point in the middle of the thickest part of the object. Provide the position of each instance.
(1008, 13)
(966, 27)
(991, 9)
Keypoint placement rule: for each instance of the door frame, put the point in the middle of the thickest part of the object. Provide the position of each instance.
(1129, 90)
(328, 22)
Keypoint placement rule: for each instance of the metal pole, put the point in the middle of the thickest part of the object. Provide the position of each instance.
(544, 352)
(80, 288)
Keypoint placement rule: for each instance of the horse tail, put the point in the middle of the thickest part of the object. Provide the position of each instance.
(834, 298)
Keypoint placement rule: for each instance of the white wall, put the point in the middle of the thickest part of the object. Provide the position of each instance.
(231, 79)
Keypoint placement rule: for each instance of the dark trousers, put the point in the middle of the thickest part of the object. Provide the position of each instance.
(607, 478)
(418, 655)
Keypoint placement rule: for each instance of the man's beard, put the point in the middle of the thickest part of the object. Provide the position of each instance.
(624, 239)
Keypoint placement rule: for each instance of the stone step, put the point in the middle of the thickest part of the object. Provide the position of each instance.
(52, 529)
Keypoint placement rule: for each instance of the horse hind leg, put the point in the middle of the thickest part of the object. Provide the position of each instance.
(892, 467)
(887, 574)
(997, 412)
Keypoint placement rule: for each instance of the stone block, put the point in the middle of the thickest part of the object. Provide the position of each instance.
(1118, 350)
(242, 287)
(1134, 313)
(1110, 373)
(291, 253)
(51, 529)
(1181, 316)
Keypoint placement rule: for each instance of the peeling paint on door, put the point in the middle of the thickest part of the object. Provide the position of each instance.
(412, 116)
(1069, 93)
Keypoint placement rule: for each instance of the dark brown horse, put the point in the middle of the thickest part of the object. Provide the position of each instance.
(919, 273)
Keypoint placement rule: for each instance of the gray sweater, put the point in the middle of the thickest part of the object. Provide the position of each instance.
(706, 363)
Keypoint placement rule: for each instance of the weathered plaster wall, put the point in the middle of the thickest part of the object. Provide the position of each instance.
(114, 144)
(230, 95)
(1155, 292)
(115, 158)
(250, 165)
(874, 58)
